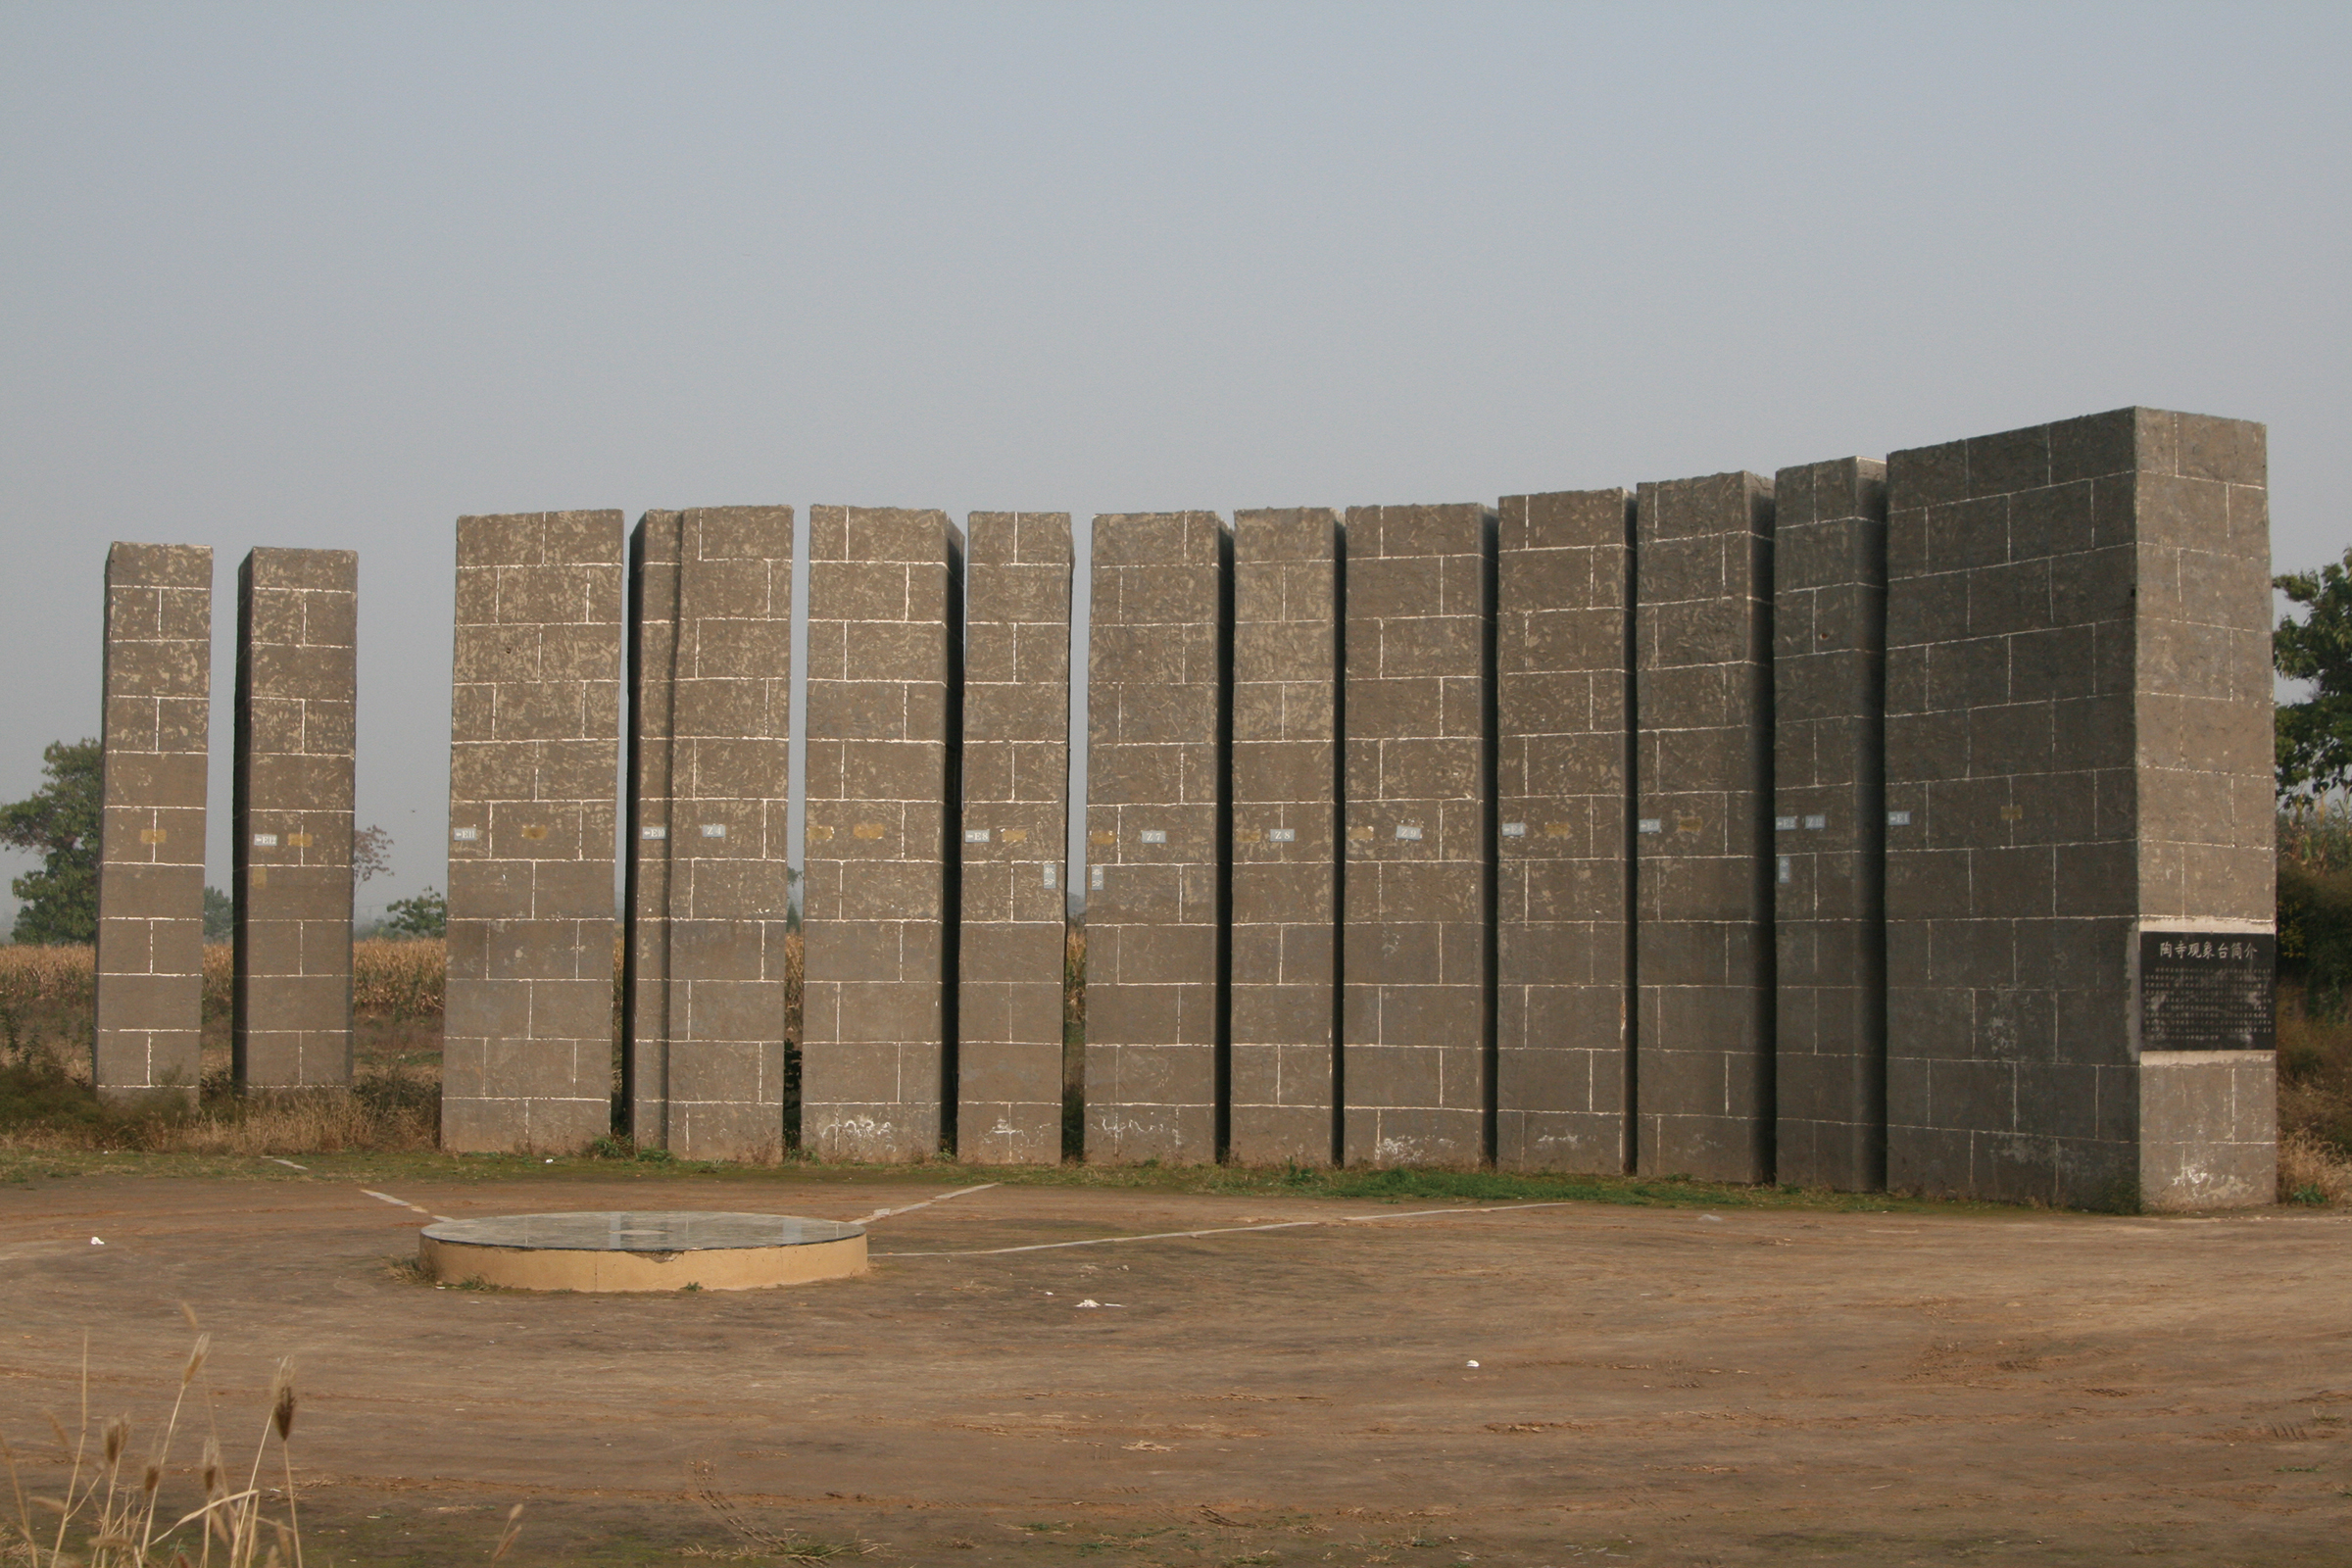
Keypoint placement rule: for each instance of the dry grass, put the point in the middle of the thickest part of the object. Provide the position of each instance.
(2312, 1170)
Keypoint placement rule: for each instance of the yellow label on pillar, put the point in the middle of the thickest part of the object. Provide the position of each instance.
(1015, 835)
(1557, 830)
(259, 876)
(2013, 813)
(150, 835)
(534, 832)
(299, 841)
(1102, 838)
(819, 833)
(868, 830)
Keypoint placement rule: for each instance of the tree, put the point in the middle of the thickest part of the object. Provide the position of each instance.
(370, 852)
(424, 915)
(219, 915)
(60, 822)
(2315, 735)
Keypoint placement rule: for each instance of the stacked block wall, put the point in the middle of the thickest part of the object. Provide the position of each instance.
(711, 664)
(528, 1049)
(1285, 868)
(1154, 787)
(297, 695)
(156, 723)
(876, 1068)
(1416, 1006)
(1017, 765)
(1565, 860)
(2075, 750)
(1828, 558)
(1703, 694)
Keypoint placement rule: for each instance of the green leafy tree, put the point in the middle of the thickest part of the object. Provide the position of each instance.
(424, 915)
(219, 915)
(59, 821)
(2315, 735)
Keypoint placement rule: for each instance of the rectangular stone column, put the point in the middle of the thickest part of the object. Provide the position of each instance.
(883, 588)
(297, 697)
(710, 663)
(1563, 935)
(1155, 779)
(1829, 824)
(1703, 624)
(158, 680)
(1416, 952)
(1286, 863)
(534, 759)
(2079, 815)
(1016, 776)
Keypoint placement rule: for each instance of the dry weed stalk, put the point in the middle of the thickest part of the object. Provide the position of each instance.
(2311, 1169)
(791, 1547)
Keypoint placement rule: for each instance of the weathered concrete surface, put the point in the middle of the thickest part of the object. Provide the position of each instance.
(711, 664)
(1016, 776)
(158, 720)
(528, 1044)
(296, 713)
(883, 587)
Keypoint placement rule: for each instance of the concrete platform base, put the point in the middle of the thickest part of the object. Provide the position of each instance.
(664, 1250)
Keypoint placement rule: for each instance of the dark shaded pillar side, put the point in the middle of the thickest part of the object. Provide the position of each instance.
(1415, 1007)
(297, 695)
(1285, 914)
(534, 762)
(1830, 823)
(1016, 715)
(149, 1003)
(1564, 996)
(1154, 685)
(875, 916)
(1703, 839)
(714, 667)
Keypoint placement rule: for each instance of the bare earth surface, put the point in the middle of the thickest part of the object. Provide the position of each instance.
(1651, 1385)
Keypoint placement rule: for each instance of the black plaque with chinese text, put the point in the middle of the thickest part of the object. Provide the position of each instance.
(2207, 991)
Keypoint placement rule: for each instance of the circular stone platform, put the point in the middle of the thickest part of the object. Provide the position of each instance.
(663, 1250)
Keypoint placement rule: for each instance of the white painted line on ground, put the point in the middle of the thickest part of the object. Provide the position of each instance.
(402, 1203)
(960, 1192)
(1229, 1229)
(289, 1164)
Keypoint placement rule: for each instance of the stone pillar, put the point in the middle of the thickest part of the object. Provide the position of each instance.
(297, 696)
(2079, 815)
(1416, 949)
(884, 586)
(1154, 785)
(159, 663)
(1016, 776)
(710, 663)
(1564, 1003)
(1829, 621)
(1703, 624)
(1286, 865)
(534, 759)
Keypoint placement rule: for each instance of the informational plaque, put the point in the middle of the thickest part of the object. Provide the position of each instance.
(2207, 989)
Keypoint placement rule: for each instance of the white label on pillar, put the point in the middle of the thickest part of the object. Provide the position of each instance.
(1514, 830)
(1898, 818)
(264, 841)
(1282, 835)
(714, 830)
(1784, 824)
(652, 832)
(1095, 879)
(1052, 874)
(1784, 868)
(1652, 824)
(1408, 830)
(1814, 824)
(465, 835)
(1155, 835)
(975, 835)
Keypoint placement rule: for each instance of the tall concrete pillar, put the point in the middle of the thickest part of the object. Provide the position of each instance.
(1016, 776)
(1564, 1003)
(1703, 624)
(1154, 784)
(2079, 815)
(297, 700)
(159, 663)
(711, 664)
(1416, 955)
(884, 594)
(534, 759)
(1829, 621)
(1285, 861)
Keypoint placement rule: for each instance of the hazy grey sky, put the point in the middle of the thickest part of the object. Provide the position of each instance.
(330, 276)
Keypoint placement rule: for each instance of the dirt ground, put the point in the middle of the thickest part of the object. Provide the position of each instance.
(1554, 1385)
